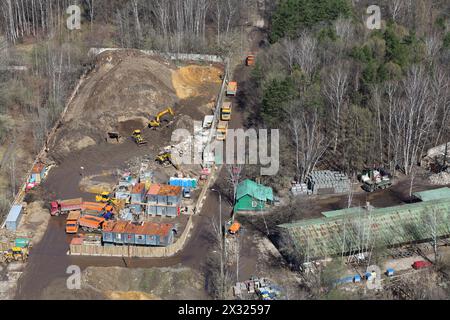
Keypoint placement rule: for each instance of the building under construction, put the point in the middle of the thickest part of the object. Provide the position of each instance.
(359, 230)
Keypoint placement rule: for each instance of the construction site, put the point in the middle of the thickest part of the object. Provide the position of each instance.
(110, 193)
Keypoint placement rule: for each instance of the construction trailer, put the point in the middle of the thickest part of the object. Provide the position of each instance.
(144, 234)
(13, 218)
(164, 200)
(137, 193)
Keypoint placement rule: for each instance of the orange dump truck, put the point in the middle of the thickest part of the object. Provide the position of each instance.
(93, 206)
(91, 223)
(72, 222)
(232, 88)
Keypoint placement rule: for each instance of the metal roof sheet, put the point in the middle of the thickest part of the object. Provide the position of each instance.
(257, 191)
(14, 213)
(435, 194)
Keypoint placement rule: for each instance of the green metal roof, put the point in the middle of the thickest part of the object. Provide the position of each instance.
(336, 213)
(257, 191)
(441, 193)
(349, 229)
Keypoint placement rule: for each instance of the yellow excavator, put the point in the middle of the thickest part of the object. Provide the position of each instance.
(137, 136)
(156, 123)
(165, 159)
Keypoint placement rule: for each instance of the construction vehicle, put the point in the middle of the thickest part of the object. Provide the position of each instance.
(234, 228)
(156, 123)
(165, 159)
(374, 179)
(64, 206)
(208, 121)
(18, 252)
(225, 111)
(232, 89)
(106, 197)
(137, 136)
(91, 223)
(15, 254)
(222, 128)
(186, 193)
(250, 60)
(93, 206)
(72, 222)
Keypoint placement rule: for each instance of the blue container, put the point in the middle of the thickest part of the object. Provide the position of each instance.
(357, 279)
(13, 218)
(368, 276)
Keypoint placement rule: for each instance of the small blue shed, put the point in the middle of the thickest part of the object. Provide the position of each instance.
(13, 218)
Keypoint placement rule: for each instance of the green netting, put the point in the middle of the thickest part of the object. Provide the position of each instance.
(359, 229)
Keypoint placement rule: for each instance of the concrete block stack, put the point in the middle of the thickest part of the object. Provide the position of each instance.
(327, 181)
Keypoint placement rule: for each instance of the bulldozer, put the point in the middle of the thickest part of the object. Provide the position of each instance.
(137, 136)
(156, 123)
(15, 254)
(165, 159)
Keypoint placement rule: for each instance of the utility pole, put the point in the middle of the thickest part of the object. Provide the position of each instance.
(222, 246)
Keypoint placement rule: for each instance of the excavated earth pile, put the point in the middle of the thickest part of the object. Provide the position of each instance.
(125, 90)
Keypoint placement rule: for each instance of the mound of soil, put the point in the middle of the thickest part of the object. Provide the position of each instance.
(124, 91)
(124, 85)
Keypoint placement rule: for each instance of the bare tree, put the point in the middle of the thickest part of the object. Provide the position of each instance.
(335, 85)
(306, 56)
(307, 135)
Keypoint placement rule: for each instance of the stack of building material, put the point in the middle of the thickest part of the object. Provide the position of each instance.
(326, 182)
(299, 189)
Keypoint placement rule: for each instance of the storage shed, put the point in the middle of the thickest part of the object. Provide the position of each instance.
(251, 196)
(13, 218)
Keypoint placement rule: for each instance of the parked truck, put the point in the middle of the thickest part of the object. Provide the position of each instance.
(374, 179)
(222, 128)
(91, 223)
(250, 60)
(64, 206)
(72, 222)
(225, 112)
(232, 88)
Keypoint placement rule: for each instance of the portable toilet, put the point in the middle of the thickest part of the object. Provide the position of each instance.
(357, 279)
(13, 218)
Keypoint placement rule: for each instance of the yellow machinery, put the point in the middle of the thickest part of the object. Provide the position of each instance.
(137, 136)
(105, 197)
(15, 254)
(159, 117)
(165, 158)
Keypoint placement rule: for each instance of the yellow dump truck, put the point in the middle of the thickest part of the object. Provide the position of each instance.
(222, 128)
(225, 112)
